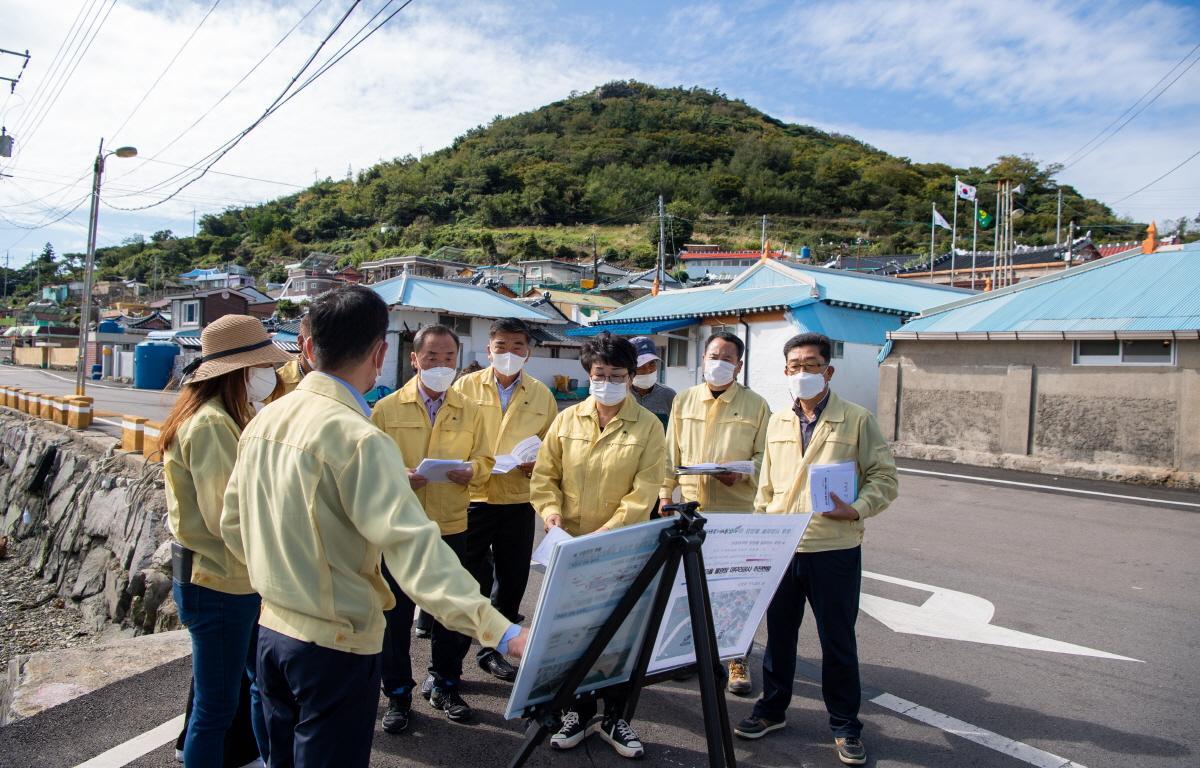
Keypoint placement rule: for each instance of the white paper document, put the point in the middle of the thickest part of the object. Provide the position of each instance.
(741, 467)
(541, 555)
(522, 453)
(435, 470)
(824, 479)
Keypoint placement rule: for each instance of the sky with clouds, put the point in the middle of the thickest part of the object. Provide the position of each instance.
(951, 81)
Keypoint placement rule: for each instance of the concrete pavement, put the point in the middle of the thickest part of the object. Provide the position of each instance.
(1115, 577)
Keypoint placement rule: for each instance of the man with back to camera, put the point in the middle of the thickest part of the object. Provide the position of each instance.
(429, 420)
(651, 395)
(713, 422)
(826, 570)
(515, 406)
(316, 495)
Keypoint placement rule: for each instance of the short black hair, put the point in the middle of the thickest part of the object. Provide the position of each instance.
(820, 341)
(345, 324)
(510, 325)
(731, 338)
(607, 349)
(434, 330)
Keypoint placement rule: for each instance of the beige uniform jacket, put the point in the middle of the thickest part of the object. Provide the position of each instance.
(317, 493)
(290, 375)
(845, 432)
(706, 429)
(599, 478)
(531, 409)
(196, 468)
(459, 432)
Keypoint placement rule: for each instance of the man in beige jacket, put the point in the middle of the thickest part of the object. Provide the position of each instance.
(317, 493)
(826, 570)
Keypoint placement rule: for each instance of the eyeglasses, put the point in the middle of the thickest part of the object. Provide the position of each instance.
(794, 368)
(616, 378)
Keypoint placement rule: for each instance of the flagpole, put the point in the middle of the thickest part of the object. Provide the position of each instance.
(932, 234)
(974, 240)
(996, 233)
(954, 232)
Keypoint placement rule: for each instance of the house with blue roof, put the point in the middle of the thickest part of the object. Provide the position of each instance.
(765, 306)
(1092, 371)
(469, 310)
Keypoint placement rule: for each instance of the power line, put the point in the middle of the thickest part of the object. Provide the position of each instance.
(1160, 178)
(219, 101)
(283, 99)
(166, 69)
(1068, 162)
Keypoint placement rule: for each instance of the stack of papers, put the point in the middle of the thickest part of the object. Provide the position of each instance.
(741, 467)
(522, 453)
(824, 479)
(435, 470)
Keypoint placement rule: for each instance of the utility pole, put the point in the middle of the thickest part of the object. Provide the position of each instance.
(193, 221)
(763, 245)
(6, 256)
(662, 247)
(595, 264)
(1070, 244)
(1058, 223)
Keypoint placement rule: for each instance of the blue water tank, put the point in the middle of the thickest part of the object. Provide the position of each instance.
(805, 252)
(152, 363)
(109, 326)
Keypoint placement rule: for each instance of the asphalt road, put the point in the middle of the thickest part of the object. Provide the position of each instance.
(108, 398)
(1113, 576)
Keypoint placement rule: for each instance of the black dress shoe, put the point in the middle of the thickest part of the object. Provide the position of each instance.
(395, 720)
(496, 666)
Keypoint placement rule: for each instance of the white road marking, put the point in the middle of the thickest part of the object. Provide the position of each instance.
(117, 424)
(1041, 487)
(981, 736)
(953, 615)
(124, 754)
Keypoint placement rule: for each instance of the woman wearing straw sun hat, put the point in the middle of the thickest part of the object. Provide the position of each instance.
(212, 589)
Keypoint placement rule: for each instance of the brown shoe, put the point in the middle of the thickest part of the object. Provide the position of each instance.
(739, 678)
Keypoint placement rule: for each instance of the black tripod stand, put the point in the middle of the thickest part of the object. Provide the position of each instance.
(679, 543)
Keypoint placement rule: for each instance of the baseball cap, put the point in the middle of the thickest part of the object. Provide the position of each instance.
(646, 351)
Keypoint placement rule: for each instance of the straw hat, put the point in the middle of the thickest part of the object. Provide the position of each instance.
(231, 343)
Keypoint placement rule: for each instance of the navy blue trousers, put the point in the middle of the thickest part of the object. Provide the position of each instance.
(448, 648)
(319, 703)
(830, 582)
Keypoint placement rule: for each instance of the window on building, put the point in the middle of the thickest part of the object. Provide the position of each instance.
(838, 350)
(457, 323)
(1127, 352)
(677, 353)
(191, 313)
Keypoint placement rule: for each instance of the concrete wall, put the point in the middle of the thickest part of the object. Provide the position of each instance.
(1025, 404)
(35, 356)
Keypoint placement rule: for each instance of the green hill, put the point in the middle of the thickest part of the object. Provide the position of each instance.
(545, 181)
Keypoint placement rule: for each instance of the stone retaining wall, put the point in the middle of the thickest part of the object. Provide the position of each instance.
(95, 529)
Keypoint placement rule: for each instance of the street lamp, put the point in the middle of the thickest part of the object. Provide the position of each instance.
(86, 303)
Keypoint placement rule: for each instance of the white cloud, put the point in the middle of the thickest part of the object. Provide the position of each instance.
(431, 74)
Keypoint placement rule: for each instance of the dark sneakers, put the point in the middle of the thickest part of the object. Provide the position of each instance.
(755, 727)
(395, 720)
(850, 750)
(446, 699)
(571, 733)
(618, 734)
(498, 667)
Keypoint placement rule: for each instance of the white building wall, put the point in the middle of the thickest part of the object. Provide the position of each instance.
(856, 374)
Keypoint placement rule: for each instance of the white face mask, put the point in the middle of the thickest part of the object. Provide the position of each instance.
(645, 380)
(806, 386)
(608, 393)
(508, 363)
(260, 383)
(719, 372)
(438, 379)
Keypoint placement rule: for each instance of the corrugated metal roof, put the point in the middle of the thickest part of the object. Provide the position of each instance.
(769, 286)
(844, 324)
(643, 328)
(456, 298)
(1132, 293)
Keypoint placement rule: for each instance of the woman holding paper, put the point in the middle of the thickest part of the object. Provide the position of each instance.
(600, 468)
